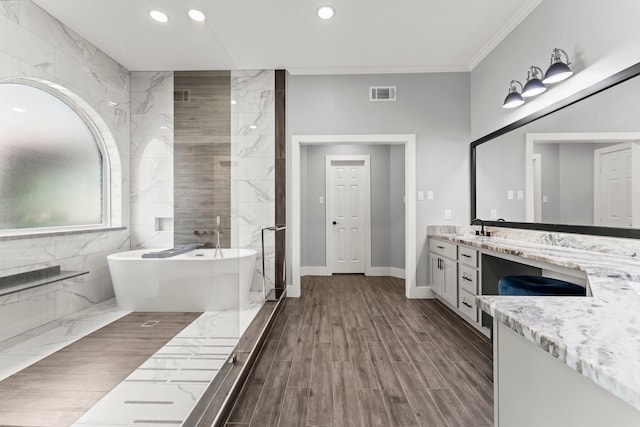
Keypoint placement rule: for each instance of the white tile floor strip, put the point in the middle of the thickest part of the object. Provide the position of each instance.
(164, 389)
(26, 349)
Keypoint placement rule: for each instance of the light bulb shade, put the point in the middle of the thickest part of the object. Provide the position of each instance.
(513, 100)
(557, 72)
(533, 87)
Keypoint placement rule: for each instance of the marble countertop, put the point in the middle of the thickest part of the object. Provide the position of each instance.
(598, 336)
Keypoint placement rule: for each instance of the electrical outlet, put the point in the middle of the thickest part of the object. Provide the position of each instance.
(545, 199)
(510, 195)
(421, 195)
(520, 195)
(321, 200)
(429, 195)
(447, 214)
(494, 214)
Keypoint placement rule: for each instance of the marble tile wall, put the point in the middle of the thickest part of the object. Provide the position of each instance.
(152, 137)
(253, 165)
(33, 44)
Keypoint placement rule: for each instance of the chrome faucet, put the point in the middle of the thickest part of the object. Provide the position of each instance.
(482, 231)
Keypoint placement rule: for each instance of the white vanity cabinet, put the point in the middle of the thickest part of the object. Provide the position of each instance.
(454, 276)
(444, 270)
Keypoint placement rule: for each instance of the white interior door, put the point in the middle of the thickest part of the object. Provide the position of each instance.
(613, 186)
(347, 213)
(537, 187)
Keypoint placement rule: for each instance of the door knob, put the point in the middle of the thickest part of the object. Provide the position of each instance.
(334, 223)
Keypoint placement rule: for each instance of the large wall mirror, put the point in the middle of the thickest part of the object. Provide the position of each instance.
(573, 167)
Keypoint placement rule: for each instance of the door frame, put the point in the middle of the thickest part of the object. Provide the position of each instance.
(596, 178)
(366, 223)
(554, 137)
(294, 189)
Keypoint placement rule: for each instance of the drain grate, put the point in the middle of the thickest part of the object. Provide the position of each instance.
(150, 324)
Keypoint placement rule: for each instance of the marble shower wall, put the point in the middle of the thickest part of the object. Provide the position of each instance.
(152, 125)
(36, 45)
(253, 165)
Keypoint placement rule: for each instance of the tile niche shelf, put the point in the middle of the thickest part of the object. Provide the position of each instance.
(33, 279)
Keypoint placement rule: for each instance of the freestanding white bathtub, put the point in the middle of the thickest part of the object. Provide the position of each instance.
(193, 281)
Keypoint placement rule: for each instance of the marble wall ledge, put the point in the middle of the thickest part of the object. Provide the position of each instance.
(597, 336)
(59, 233)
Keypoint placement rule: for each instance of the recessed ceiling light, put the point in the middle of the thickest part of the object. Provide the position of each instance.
(196, 15)
(253, 127)
(158, 16)
(325, 12)
(234, 102)
(112, 103)
(19, 110)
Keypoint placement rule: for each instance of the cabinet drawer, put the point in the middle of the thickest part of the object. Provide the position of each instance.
(446, 249)
(468, 279)
(468, 256)
(467, 305)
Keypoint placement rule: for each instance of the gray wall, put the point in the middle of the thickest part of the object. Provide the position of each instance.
(550, 157)
(601, 38)
(433, 106)
(385, 235)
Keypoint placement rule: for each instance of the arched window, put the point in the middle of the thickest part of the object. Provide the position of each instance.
(53, 171)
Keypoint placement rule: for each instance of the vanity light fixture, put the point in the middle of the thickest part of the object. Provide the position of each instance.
(196, 15)
(325, 12)
(514, 98)
(159, 16)
(558, 70)
(534, 85)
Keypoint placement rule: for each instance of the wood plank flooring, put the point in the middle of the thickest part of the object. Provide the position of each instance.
(59, 389)
(353, 351)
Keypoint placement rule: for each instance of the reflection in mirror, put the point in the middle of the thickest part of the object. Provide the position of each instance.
(577, 166)
(582, 179)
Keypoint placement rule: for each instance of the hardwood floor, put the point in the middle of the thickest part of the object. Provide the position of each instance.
(59, 389)
(354, 351)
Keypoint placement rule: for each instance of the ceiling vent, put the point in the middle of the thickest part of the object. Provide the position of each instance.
(181, 95)
(382, 93)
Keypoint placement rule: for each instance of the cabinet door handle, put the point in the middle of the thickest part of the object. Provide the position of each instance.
(439, 264)
(467, 279)
(466, 256)
(465, 303)
(440, 247)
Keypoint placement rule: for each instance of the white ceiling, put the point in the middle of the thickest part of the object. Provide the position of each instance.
(365, 36)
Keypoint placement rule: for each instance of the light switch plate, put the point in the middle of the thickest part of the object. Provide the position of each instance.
(510, 195)
(520, 195)
(494, 214)
(447, 214)
(321, 200)
(429, 195)
(420, 195)
(545, 199)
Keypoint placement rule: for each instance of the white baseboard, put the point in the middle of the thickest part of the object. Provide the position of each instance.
(314, 271)
(422, 292)
(387, 271)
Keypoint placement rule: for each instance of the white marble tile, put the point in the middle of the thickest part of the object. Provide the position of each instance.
(158, 191)
(253, 169)
(252, 80)
(26, 251)
(104, 69)
(144, 236)
(151, 103)
(253, 101)
(254, 213)
(139, 403)
(39, 22)
(261, 123)
(9, 66)
(10, 9)
(152, 125)
(253, 146)
(80, 244)
(152, 81)
(147, 212)
(152, 146)
(144, 168)
(24, 45)
(254, 190)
